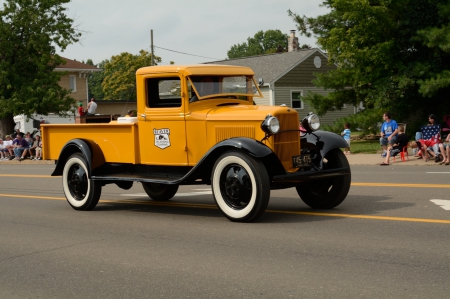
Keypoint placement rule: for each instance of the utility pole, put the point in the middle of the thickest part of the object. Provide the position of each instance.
(151, 46)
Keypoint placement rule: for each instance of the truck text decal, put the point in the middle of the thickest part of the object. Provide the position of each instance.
(162, 139)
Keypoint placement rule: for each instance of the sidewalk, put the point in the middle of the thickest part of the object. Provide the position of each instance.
(353, 159)
(376, 159)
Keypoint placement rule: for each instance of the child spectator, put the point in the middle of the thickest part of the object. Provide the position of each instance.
(80, 109)
(402, 141)
(9, 148)
(33, 148)
(39, 150)
(346, 134)
(2, 150)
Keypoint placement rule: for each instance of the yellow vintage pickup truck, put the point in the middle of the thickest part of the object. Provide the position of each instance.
(198, 124)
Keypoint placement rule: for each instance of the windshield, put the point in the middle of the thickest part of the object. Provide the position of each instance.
(238, 87)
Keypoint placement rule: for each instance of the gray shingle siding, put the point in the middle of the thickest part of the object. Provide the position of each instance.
(283, 96)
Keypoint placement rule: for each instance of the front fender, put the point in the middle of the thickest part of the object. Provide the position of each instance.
(253, 147)
(326, 141)
(90, 150)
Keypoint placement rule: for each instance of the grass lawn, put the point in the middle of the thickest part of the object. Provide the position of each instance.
(365, 146)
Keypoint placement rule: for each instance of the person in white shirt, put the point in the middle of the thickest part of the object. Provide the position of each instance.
(91, 107)
(8, 148)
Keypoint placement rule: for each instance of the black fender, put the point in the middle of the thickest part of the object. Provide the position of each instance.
(253, 148)
(326, 141)
(91, 151)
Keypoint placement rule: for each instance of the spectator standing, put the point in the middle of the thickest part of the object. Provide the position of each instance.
(80, 109)
(346, 135)
(91, 107)
(389, 131)
(20, 147)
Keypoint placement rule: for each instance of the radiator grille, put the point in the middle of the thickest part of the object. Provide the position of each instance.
(225, 132)
(287, 144)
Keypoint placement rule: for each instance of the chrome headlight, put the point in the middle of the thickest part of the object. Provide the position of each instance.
(270, 125)
(311, 122)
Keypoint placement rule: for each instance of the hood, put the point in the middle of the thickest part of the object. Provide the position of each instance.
(246, 112)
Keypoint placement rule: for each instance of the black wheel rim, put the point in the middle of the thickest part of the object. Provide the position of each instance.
(236, 186)
(77, 182)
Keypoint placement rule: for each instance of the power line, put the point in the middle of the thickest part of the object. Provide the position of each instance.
(186, 53)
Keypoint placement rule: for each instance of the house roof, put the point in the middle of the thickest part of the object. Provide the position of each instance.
(271, 67)
(76, 66)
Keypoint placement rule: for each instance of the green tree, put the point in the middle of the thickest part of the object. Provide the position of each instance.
(263, 42)
(95, 80)
(120, 74)
(391, 55)
(29, 32)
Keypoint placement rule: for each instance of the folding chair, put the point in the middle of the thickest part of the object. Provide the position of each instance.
(404, 155)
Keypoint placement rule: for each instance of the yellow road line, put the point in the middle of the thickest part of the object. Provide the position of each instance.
(401, 185)
(208, 206)
(356, 184)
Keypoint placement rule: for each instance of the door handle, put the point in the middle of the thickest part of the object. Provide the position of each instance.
(144, 116)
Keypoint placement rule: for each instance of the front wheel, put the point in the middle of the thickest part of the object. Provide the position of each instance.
(81, 192)
(160, 192)
(241, 186)
(327, 193)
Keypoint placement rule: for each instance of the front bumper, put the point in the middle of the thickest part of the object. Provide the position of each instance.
(310, 175)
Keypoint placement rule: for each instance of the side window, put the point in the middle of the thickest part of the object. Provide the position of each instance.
(163, 92)
(73, 83)
(296, 99)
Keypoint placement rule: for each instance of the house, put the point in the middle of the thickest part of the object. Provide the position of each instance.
(288, 77)
(76, 78)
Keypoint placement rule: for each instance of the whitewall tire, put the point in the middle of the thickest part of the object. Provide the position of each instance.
(81, 192)
(241, 186)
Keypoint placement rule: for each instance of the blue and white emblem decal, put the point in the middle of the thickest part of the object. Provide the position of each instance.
(162, 138)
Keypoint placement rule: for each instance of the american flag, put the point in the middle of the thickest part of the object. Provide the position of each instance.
(431, 132)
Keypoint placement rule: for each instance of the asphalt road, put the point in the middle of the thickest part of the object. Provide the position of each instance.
(388, 239)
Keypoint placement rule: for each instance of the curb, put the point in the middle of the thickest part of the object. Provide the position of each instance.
(27, 161)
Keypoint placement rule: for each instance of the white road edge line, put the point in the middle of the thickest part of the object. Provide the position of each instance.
(436, 172)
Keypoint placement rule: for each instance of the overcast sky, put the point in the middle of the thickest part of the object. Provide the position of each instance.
(205, 28)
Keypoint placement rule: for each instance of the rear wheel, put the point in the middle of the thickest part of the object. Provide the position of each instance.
(81, 192)
(241, 186)
(327, 193)
(160, 192)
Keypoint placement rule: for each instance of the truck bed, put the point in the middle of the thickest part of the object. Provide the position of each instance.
(119, 141)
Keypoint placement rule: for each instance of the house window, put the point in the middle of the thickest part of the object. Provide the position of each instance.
(296, 99)
(73, 83)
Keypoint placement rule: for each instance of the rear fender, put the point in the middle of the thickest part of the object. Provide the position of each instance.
(91, 151)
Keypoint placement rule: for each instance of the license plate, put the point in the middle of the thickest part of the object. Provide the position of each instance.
(301, 161)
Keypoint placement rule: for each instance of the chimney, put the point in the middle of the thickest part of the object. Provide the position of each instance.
(293, 42)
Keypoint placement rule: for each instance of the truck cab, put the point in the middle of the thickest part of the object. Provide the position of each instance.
(197, 124)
